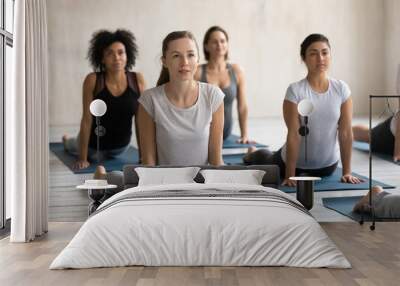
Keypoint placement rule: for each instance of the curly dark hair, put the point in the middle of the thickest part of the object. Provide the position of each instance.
(103, 38)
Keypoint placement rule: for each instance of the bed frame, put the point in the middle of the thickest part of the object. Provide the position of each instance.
(270, 179)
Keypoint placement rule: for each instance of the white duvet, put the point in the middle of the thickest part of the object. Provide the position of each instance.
(183, 231)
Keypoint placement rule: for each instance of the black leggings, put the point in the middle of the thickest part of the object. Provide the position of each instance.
(266, 157)
(382, 139)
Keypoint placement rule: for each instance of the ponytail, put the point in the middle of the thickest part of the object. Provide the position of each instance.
(164, 76)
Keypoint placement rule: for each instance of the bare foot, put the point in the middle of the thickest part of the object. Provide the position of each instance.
(64, 139)
(250, 150)
(363, 204)
(100, 173)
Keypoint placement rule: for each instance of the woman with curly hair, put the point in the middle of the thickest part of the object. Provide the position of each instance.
(111, 55)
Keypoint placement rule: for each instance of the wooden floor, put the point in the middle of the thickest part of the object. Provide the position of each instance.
(374, 255)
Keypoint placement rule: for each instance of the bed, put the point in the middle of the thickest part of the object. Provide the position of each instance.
(201, 224)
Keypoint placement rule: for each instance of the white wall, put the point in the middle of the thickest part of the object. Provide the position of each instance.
(392, 46)
(265, 37)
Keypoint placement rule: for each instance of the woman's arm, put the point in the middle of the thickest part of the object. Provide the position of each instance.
(86, 121)
(346, 141)
(147, 137)
(241, 104)
(291, 116)
(215, 140)
(142, 86)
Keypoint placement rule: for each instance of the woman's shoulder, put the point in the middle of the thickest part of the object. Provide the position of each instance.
(340, 87)
(154, 91)
(236, 68)
(208, 88)
(210, 93)
(90, 81)
(337, 82)
(91, 77)
(300, 84)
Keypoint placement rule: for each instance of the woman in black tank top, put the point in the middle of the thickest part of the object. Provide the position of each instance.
(111, 54)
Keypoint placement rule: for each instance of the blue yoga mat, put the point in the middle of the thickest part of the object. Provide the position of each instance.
(344, 206)
(332, 183)
(230, 142)
(363, 146)
(130, 156)
(233, 159)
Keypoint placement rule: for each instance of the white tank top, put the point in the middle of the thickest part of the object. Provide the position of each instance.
(322, 145)
(182, 134)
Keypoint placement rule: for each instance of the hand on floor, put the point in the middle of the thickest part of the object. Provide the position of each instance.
(245, 140)
(289, 183)
(350, 179)
(81, 164)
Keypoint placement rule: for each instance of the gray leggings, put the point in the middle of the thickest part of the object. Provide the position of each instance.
(387, 205)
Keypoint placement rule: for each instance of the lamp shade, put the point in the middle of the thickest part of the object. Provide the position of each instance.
(98, 107)
(305, 107)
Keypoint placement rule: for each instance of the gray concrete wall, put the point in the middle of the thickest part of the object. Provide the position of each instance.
(265, 37)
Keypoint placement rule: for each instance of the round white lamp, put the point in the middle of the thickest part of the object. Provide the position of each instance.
(305, 107)
(98, 108)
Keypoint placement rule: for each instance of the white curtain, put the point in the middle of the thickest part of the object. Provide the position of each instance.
(26, 124)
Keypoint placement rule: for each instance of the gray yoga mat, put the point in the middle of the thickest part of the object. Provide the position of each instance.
(344, 206)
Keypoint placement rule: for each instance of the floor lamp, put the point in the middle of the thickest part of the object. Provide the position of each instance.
(98, 108)
(305, 184)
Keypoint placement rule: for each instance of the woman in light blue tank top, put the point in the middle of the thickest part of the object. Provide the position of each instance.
(229, 77)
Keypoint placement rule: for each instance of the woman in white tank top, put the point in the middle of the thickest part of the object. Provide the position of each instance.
(181, 120)
(329, 123)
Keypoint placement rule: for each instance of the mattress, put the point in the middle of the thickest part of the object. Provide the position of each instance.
(201, 225)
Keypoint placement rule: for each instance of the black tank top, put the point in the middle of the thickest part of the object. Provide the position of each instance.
(117, 120)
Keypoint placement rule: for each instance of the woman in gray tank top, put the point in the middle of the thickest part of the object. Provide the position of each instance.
(229, 77)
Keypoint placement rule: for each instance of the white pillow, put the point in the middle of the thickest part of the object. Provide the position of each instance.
(163, 176)
(248, 177)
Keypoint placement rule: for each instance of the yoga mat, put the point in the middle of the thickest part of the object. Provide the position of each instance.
(233, 159)
(332, 183)
(344, 206)
(363, 146)
(230, 142)
(130, 156)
